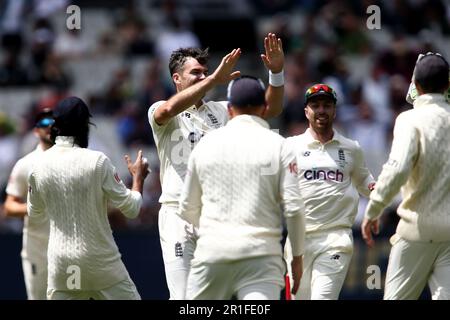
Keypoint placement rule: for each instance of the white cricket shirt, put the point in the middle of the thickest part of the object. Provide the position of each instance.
(419, 164)
(35, 230)
(176, 139)
(330, 177)
(73, 186)
(239, 178)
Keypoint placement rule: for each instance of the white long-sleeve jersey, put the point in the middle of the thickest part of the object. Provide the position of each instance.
(239, 178)
(176, 139)
(419, 164)
(330, 177)
(73, 186)
(35, 231)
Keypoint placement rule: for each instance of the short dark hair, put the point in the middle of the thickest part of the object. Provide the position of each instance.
(178, 57)
(246, 91)
(432, 74)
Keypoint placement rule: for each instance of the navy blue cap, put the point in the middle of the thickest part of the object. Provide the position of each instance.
(70, 114)
(246, 91)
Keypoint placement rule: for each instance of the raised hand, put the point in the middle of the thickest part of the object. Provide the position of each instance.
(224, 72)
(274, 57)
(139, 168)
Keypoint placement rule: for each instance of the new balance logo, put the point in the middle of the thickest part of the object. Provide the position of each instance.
(324, 175)
(178, 250)
(335, 257)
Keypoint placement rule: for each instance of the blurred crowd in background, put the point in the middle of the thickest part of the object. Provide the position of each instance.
(118, 63)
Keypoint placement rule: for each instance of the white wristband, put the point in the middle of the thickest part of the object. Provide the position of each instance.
(276, 79)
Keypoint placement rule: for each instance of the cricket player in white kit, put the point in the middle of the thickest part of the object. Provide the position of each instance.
(72, 186)
(332, 172)
(35, 231)
(238, 177)
(419, 164)
(179, 123)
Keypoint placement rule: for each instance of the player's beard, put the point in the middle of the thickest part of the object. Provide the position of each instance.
(47, 140)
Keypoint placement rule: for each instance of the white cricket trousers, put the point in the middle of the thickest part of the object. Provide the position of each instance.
(259, 278)
(326, 261)
(412, 264)
(35, 276)
(124, 290)
(178, 241)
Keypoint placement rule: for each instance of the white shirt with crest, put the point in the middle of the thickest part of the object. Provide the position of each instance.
(176, 139)
(330, 177)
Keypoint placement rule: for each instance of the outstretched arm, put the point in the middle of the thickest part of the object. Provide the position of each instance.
(274, 61)
(186, 98)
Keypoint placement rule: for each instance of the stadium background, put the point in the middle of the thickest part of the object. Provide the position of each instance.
(117, 63)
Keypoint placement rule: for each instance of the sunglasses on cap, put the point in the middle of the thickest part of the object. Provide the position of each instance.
(320, 89)
(44, 123)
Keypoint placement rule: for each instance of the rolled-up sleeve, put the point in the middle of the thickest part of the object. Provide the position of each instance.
(404, 152)
(191, 195)
(119, 196)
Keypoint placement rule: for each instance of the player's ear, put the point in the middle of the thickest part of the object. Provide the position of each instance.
(176, 78)
(35, 132)
(230, 111)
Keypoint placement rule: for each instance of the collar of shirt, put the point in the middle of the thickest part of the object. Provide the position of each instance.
(429, 98)
(311, 141)
(65, 141)
(248, 119)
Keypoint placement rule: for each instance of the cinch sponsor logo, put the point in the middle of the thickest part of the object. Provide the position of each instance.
(324, 175)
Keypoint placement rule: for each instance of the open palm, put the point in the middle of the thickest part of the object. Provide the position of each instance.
(274, 57)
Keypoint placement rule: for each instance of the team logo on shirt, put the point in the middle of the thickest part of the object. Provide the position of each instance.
(213, 121)
(314, 174)
(341, 156)
(117, 178)
(212, 118)
(306, 153)
(178, 250)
